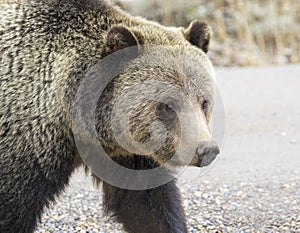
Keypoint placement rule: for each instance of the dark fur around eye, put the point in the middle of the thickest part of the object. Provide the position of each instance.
(205, 106)
(166, 111)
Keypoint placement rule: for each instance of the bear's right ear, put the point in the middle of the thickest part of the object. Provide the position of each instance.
(120, 37)
(198, 34)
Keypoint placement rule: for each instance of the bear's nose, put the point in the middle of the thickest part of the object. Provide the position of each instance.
(206, 152)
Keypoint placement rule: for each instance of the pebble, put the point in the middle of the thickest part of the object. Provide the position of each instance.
(241, 206)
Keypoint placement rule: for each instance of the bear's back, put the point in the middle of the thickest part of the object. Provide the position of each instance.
(40, 44)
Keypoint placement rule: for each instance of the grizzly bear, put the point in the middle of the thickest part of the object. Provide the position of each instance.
(47, 49)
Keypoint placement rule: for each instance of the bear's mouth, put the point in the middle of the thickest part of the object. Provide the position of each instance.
(141, 162)
(206, 160)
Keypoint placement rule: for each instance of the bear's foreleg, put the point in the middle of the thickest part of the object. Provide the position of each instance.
(25, 190)
(156, 210)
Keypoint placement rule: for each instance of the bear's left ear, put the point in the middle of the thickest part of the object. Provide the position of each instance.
(118, 38)
(198, 34)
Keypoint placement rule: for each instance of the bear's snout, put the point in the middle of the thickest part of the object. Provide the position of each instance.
(206, 152)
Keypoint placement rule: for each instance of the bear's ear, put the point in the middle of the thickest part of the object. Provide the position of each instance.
(118, 38)
(198, 34)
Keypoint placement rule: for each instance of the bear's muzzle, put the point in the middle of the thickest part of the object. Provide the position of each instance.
(206, 152)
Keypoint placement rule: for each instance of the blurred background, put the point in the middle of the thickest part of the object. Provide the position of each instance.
(256, 32)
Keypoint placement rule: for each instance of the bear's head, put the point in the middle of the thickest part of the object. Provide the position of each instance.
(158, 106)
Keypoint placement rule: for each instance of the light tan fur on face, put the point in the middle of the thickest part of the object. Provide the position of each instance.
(159, 64)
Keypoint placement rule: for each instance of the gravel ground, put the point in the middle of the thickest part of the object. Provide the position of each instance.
(243, 206)
(252, 187)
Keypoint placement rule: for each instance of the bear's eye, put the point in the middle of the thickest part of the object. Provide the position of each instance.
(169, 108)
(167, 111)
(204, 107)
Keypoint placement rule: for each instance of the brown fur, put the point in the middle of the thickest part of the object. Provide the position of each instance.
(46, 47)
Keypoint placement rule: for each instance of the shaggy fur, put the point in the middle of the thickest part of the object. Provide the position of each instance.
(46, 47)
